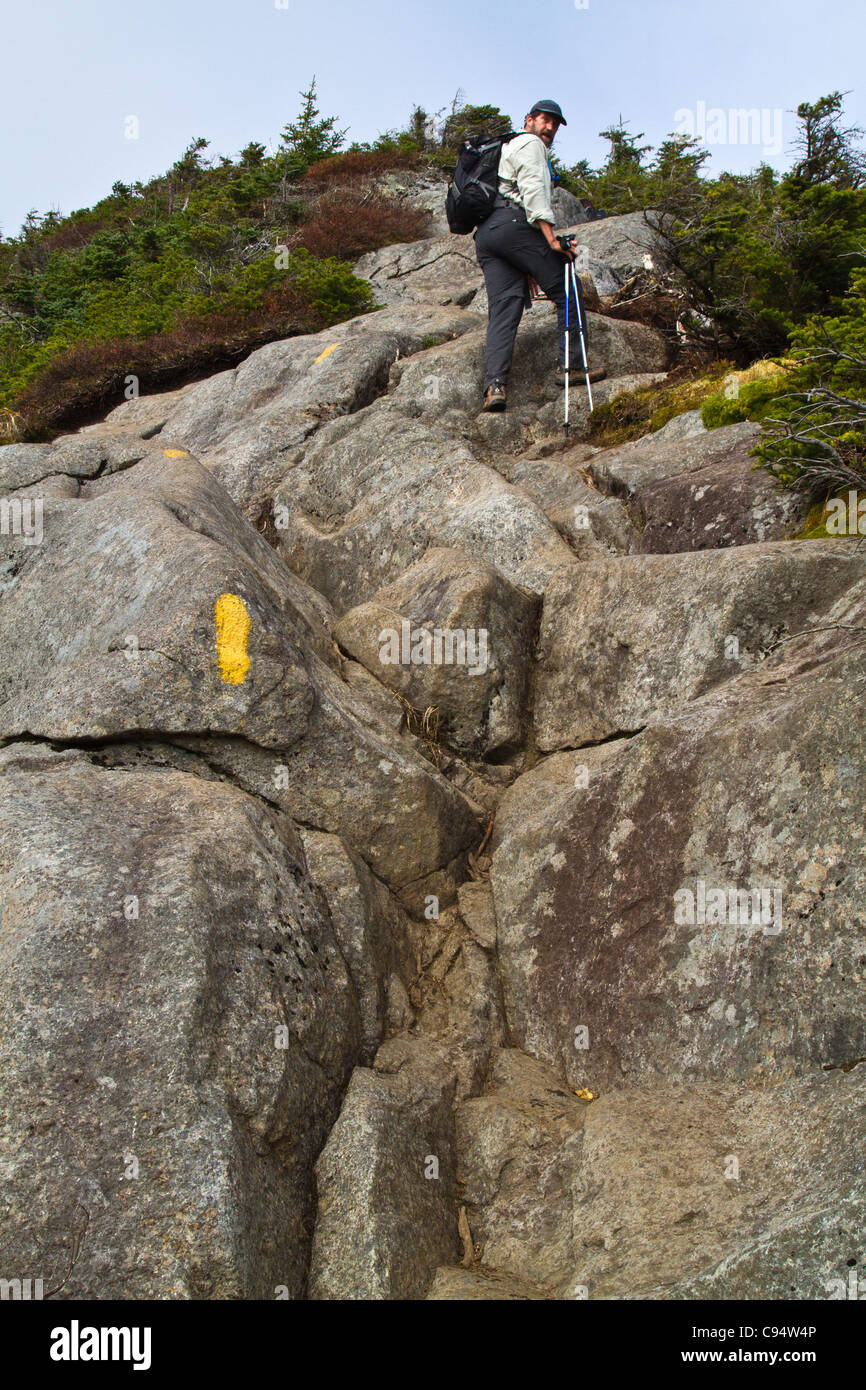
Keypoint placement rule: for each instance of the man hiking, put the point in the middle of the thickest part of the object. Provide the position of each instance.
(518, 252)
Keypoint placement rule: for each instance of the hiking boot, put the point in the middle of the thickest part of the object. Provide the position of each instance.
(576, 374)
(494, 396)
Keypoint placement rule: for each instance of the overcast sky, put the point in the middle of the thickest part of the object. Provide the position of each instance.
(74, 71)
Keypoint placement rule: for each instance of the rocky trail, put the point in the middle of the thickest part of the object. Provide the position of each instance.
(329, 976)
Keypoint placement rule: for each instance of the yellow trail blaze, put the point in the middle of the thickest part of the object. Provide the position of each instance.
(176, 453)
(328, 350)
(232, 631)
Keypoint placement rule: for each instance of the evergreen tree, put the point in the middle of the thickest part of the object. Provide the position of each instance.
(308, 139)
(252, 155)
(419, 126)
(828, 148)
(620, 185)
(467, 121)
(815, 439)
(625, 153)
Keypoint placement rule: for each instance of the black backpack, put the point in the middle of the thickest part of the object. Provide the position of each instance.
(473, 189)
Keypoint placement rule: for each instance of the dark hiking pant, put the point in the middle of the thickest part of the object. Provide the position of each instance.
(508, 249)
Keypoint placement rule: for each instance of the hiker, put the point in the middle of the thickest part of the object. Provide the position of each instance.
(518, 252)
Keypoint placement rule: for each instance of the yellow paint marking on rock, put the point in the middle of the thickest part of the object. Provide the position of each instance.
(176, 453)
(232, 631)
(328, 350)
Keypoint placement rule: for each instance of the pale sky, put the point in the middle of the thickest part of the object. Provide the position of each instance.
(231, 71)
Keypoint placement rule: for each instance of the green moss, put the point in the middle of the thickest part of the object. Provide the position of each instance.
(752, 401)
(748, 395)
(643, 412)
(813, 528)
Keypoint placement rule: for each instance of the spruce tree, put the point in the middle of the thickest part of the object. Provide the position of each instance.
(308, 139)
(829, 153)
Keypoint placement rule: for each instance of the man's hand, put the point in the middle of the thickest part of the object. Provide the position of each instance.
(534, 288)
(554, 242)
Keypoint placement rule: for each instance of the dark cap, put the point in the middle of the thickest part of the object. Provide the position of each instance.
(550, 108)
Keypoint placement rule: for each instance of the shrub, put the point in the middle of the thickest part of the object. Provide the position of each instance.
(468, 121)
(815, 438)
(87, 379)
(360, 164)
(347, 224)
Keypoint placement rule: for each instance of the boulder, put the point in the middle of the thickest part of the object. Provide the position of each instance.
(424, 189)
(133, 572)
(440, 270)
(685, 426)
(567, 210)
(624, 638)
(141, 417)
(734, 503)
(457, 368)
(692, 897)
(242, 422)
(621, 242)
(172, 617)
(624, 468)
(177, 1027)
(678, 1191)
(373, 494)
(453, 635)
(597, 276)
(74, 456)
(519, 1146)
(442, 387)
(386, 1186)
(594, 525)
(349, 778)
(374, 935)
(693, 489)
(719, 1191)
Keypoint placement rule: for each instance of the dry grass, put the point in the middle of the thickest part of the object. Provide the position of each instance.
(424, 724)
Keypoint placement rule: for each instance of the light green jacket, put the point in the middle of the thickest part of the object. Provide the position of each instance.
(524, 177)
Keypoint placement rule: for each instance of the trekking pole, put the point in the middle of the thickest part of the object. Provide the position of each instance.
(566, 349)
(580, 331)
